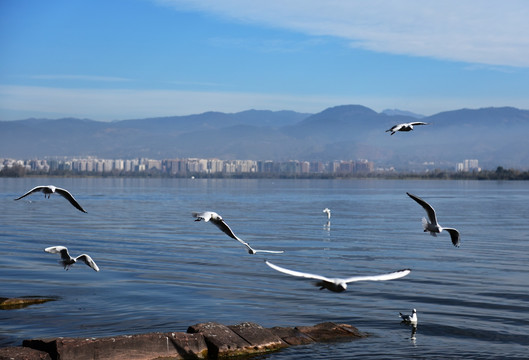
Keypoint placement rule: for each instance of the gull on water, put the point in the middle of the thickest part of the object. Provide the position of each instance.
(432, 226)
(217, 220)
(67, 261)
(50, 189)
(337, 284)
(405, 126)
(328, 212)
(409, 319)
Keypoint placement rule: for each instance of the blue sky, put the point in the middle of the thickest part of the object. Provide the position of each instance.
(122, 59)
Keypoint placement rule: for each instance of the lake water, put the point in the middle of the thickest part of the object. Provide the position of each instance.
(162, 271)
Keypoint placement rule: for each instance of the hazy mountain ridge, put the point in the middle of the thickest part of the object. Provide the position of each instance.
(495, 136)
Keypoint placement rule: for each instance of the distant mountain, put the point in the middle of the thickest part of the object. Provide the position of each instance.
(494, 136)
(393, 112)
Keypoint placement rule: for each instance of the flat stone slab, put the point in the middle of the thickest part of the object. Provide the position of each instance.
(329, 331)
(201, 341)
(258, 337)
(23, 353)
(139, 347)
(221, 340)
(291, 336)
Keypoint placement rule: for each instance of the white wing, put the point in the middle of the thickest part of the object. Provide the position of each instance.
(35, 189)
(454, 235)
(66, 194)
(297, 273)
(268, 251)
(88, 261)
(390, 276)
(427, 207)
(55, 249)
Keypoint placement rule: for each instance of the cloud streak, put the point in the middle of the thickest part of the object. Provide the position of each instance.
(493, 32)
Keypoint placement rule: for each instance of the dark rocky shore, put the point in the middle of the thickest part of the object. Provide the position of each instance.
(201, 341)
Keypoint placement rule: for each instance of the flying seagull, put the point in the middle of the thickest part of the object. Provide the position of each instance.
(405, 126)
(67, 261)
(432, 226)
(409, 319)
(336, 284)
(328, 212)
(217, 220)
(50, 189)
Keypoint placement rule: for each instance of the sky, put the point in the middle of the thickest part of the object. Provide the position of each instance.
(127, 59)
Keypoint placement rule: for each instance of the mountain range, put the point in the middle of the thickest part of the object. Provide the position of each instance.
(495, 136)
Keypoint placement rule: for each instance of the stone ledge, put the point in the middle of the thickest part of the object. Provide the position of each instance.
(201, 341)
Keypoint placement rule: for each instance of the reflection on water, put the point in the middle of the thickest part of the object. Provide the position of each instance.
(162, 271)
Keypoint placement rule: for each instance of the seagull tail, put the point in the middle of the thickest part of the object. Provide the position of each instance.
(425, 224)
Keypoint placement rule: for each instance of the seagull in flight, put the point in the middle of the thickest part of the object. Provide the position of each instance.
(328, 212)
(432, 226)
(405, 126)
(67, 261)
(50, 189)
(217, 220)
(409, 319)
(336, 284)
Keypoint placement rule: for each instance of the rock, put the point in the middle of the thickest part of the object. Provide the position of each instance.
(329, 331)
(143, 346)
(22, 353)
(291, 336)
(18, 303)
(221, 340)
(257, 336)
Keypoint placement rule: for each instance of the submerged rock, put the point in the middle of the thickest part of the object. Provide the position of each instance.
(18, 303)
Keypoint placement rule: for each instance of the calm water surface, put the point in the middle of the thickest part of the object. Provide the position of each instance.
(162, 271)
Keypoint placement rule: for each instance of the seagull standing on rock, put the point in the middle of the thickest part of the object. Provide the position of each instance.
(217, 220)
(67, 261)
(405, 126)
(336, 284)
(51, 189)
(432, 226)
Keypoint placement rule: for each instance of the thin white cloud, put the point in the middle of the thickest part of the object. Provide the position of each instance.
(78, 78)
(494, 32)
(19, 102)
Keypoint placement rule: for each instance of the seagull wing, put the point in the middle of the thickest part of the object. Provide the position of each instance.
(298, 273)
(419, 123)
(202, 216)
(225, 228)
(66, 194)
(59, 249)
(395, 127)
(55, 249)
(429, 209)
(35, 189)
(88, 261)
(390, 276)
(454, 235)
(268, 251)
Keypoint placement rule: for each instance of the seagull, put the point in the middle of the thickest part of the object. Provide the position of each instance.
(67, 261)
(432, 226)
(336, 284)
(409, 319)
(405, 126)
(328, 212)
(50, 189)
(217, 220)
